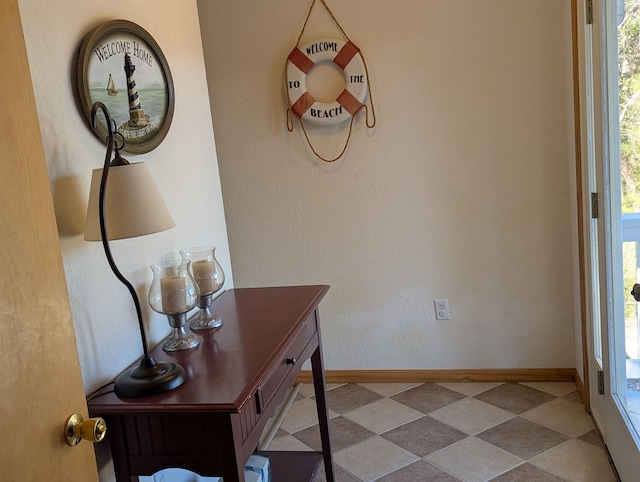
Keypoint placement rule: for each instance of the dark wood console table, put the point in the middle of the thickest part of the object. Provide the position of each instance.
(238, 376)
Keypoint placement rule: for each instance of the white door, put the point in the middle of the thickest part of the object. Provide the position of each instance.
(608, 111)
(40, 381)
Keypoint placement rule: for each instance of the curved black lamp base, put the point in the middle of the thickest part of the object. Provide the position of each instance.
(150, 378)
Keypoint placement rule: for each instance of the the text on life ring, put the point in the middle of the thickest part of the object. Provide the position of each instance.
(346, 56)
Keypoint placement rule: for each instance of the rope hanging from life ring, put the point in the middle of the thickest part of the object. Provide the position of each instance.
(302, 105)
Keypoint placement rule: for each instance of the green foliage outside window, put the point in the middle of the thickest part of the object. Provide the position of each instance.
(629, 91)
(629, 117)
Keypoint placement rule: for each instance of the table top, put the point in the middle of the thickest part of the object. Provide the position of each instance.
(231, 360)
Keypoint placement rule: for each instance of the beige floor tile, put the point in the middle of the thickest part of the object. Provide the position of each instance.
(473, 460)
(471, 416)
(383, 415)
(563, 416)
(340, 475)
(301, 415)
(470, 388)
(288, 442)
(388, 389)
(331, 386)
(307, 389)
(559, 389)
(576, 461)
(373, 458)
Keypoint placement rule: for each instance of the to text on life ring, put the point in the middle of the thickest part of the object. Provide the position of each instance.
(347, 57)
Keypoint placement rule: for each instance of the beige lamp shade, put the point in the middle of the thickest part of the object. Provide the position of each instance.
(133, 204)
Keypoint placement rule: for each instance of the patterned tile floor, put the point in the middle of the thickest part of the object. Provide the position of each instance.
(448, 432)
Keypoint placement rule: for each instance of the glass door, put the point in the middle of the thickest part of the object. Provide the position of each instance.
(612, 60)
(628, 151)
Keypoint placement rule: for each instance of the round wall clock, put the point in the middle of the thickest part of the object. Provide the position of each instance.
(122, 66)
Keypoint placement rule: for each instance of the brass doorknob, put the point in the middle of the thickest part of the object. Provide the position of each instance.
(77, 428)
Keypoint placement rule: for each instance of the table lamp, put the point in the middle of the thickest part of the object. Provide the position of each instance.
(124, 202)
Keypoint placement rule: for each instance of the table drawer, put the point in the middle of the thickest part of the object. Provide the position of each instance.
(270, 390)
(289, 360)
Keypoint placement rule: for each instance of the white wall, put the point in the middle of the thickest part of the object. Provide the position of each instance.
(184, 166)
(463, 190)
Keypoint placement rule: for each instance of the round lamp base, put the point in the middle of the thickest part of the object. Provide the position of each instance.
(150, 378)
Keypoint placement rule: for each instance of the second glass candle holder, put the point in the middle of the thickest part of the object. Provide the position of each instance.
(209, 277)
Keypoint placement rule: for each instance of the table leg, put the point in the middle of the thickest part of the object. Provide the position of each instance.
(320, 388)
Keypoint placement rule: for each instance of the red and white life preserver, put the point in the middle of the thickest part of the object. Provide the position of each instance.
(346, 56)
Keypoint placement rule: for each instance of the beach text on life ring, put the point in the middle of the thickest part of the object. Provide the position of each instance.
(346, 55)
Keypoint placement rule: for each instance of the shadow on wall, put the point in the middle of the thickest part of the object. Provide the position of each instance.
(69, 204)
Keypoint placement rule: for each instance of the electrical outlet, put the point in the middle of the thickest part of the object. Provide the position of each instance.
(442, 309)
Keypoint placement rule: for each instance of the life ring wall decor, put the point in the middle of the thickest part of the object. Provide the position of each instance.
(301, 104)
(346, 55)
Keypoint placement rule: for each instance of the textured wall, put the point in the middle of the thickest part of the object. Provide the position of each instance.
(463, 190)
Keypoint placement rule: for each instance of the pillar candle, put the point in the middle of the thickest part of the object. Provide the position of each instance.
(203, 272)
(173, 290)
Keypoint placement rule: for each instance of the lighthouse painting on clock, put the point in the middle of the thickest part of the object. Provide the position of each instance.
(122, 66)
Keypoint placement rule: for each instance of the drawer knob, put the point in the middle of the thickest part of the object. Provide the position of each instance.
(291, 361)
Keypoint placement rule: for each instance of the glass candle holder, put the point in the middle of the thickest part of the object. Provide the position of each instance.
(209, 277)
(174, 293)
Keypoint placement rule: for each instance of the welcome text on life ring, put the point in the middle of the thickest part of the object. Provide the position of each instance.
(346, 55)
